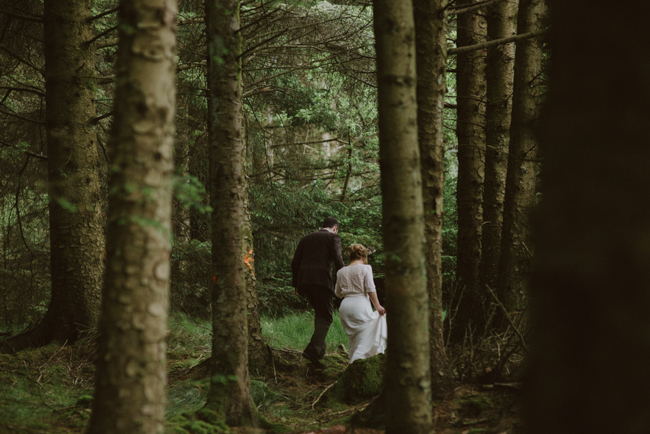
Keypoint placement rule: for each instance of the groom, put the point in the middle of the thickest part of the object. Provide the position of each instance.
(311, 270)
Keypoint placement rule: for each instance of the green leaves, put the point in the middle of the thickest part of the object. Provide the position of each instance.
(190, 192)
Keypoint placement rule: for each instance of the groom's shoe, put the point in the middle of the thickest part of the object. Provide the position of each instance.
(314, 361)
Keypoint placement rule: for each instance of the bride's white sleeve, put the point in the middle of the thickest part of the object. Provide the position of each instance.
(368, 280)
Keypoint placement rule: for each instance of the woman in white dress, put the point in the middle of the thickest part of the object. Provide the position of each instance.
(366, 328)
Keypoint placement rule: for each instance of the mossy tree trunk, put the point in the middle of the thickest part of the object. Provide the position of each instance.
(471, 88)
(431, 46)
(516, 262)
(76, 229)
(229, 396)
(502, 22)
(408, 379)
(589, 370)
(131, 366)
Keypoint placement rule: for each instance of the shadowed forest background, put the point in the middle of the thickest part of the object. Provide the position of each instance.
(159, 163)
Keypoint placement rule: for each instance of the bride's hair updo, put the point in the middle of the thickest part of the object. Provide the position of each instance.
(357, 251)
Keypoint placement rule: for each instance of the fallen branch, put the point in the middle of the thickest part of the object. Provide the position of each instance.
(505, 311)
(321, 394)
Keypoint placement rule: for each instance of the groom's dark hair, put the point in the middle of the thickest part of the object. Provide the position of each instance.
(330, 222)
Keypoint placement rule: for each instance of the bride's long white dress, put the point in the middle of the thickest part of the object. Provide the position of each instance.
(366, 329)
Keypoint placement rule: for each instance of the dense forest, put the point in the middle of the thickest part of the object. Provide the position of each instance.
(161, 160)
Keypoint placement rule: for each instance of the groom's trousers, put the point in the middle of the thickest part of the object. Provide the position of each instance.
(321, 299)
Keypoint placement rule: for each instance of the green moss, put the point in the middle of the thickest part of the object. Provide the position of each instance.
(211, 417)
(278, 428)
(196, 423)
(175, 430)
(362, 379)
(474, 406)
(85, 401)
(200, 427)
(373, 416)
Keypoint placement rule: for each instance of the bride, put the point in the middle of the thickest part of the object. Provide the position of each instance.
(366, 329)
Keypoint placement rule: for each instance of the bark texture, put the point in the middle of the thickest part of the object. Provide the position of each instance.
(229, 394)
(131, 368)
(591, 354)
(431, 47)
(260, 358)
(76, 230)
(471, 88)
(502, 23)
(516, 244)
(408, 379)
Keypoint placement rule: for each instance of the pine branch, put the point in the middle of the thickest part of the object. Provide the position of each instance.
(23, 17)
(106, 43)
(468, 48)
(103, 14)
(21, 118)
(462, 9)
(24, 14)
(31, 154)
(104, 116)
(102, 34)
(190, 65)
(21, 89)
(20, 59)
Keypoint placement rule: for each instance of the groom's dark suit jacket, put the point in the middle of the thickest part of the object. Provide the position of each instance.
(312, 262)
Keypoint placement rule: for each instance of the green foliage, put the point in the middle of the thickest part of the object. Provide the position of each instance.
(190, 191)
(191, 265)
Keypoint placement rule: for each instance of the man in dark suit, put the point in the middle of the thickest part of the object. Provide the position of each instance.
(312, 278)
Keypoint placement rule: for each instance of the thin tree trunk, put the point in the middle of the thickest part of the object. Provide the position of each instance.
(229, 396)
(260, 357)
(408, 372)
(591, 353)
(502, 22)
(76, 230)
(471, 88)
(131, 367)
(516, 243)
(431, 45)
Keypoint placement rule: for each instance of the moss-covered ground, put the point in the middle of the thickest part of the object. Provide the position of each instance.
(49, 390)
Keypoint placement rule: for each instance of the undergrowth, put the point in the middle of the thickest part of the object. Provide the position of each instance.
(49, 390)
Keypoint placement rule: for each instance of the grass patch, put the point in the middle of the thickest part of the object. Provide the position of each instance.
(294, 331)
(41, 389)
(191, 337)
(50, 389)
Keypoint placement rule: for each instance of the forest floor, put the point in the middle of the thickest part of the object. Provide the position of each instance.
(49, 390)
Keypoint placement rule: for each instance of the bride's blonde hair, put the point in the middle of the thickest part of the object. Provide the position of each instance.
(357, 251)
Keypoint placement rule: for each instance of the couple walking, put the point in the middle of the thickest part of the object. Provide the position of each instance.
(312, 278)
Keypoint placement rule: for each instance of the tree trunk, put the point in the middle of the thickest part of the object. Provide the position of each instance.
(260, 358)
(229, 396)
(471, 88)
(502, 23)
(76, 229)
(591, 354)
(516, 245)
(408, 379)
(431, 46)
(131, 367)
